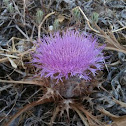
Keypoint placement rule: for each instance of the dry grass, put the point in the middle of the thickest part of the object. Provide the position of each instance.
(19, 29)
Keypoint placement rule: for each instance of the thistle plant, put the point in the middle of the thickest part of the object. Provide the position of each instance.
(67, 55)
(76, 14)
(72, 59)
(39, 16)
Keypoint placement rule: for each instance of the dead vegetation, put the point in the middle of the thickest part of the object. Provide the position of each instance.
(26, 100)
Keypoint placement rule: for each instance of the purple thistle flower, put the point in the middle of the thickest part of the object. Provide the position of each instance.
(69, 54)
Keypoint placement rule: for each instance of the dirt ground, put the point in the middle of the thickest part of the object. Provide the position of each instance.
(24, 98)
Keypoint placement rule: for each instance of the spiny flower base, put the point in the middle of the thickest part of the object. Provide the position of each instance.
(74, 87)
